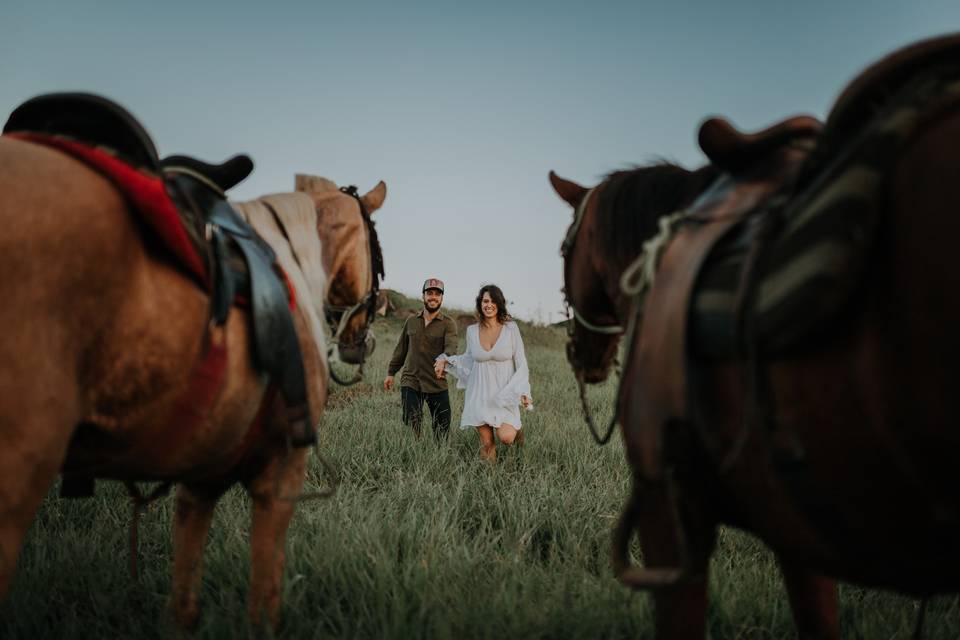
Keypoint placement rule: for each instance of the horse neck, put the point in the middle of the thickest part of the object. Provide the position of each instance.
(608, 270)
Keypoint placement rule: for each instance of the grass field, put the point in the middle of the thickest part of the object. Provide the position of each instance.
(419, 542)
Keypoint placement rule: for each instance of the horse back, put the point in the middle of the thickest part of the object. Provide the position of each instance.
(857, 438)
(89, 294)
(842, 447)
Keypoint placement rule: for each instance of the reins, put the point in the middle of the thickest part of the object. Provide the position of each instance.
(635, 281)
(140, 504)
(328, 468)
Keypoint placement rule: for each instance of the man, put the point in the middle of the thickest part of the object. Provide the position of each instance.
(424, 337)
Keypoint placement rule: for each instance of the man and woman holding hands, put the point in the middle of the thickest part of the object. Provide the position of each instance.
(492, 369)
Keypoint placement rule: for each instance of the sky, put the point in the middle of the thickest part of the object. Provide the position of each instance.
(461, 108)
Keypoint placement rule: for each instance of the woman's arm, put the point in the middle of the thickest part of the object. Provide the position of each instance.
(517, 390)
(460, 366)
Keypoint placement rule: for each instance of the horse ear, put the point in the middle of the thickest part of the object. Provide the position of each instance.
(374, 198)
(570, 191)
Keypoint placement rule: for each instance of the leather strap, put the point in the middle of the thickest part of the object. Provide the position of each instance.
(661, 353)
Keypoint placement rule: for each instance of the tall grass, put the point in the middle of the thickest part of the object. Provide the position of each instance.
(420, 541)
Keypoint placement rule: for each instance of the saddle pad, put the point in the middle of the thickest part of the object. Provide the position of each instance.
(145, 193)
(811, 265)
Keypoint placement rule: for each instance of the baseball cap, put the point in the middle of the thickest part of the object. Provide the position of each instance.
(433, 283)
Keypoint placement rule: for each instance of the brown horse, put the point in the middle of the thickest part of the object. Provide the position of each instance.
(101, 332)
(850, 471)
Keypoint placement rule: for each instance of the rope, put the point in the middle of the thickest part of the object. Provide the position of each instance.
(639, 276)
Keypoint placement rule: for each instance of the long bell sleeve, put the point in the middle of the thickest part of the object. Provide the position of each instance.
(519, 383)
(460, 366)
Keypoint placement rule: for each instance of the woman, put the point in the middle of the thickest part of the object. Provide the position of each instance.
(493, 370)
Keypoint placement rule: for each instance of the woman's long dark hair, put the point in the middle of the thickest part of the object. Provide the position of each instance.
(497, 296)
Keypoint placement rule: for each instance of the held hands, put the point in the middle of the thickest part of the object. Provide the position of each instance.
(440, 367)
(526, 401)
(388, 383)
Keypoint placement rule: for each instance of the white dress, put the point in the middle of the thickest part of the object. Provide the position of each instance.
(494, 379)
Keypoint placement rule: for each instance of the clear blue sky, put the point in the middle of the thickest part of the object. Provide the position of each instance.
(462, 108)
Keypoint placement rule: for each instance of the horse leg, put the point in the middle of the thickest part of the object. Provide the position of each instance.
(274, 493)
(194, 513)
(814, 602)
(34, 435)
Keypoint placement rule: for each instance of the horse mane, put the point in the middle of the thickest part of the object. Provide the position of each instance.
(313, 184)
(632, 201)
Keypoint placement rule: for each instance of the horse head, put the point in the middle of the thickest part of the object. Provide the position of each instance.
(594, 326)
(610, 224)
(353, 260)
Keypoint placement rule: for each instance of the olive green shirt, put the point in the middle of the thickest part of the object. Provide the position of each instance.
(418, 348)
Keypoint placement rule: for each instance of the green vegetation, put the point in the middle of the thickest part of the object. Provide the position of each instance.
(418, 542)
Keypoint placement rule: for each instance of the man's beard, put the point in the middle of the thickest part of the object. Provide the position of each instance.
(427, 307)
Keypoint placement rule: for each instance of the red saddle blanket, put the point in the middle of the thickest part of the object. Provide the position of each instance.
(146, 193)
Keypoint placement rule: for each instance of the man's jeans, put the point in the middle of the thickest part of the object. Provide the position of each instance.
(439, 405)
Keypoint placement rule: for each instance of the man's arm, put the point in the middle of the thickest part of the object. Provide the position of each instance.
(399, 352)
(399, 357)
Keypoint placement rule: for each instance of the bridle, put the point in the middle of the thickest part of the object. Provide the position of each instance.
(339, 316)
(574, 317)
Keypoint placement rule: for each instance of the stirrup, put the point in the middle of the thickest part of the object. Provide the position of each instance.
(647, 578)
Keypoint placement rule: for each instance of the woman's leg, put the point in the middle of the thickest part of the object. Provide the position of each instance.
(488, 447)
(507, 433)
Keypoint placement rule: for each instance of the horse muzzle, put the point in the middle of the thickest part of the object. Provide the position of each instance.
(357, 352)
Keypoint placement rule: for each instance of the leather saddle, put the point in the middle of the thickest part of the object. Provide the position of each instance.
(95, 120)
(238, 262)
(735, 151)
(769, 180)
(664, 354)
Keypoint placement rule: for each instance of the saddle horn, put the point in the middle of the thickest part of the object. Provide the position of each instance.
(732, 150)
(225, 175)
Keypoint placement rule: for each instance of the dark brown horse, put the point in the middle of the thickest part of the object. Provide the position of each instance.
(843, 461)
(100, 333)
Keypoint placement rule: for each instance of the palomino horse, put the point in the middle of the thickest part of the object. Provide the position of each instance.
(101, 332)
(837, 446)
